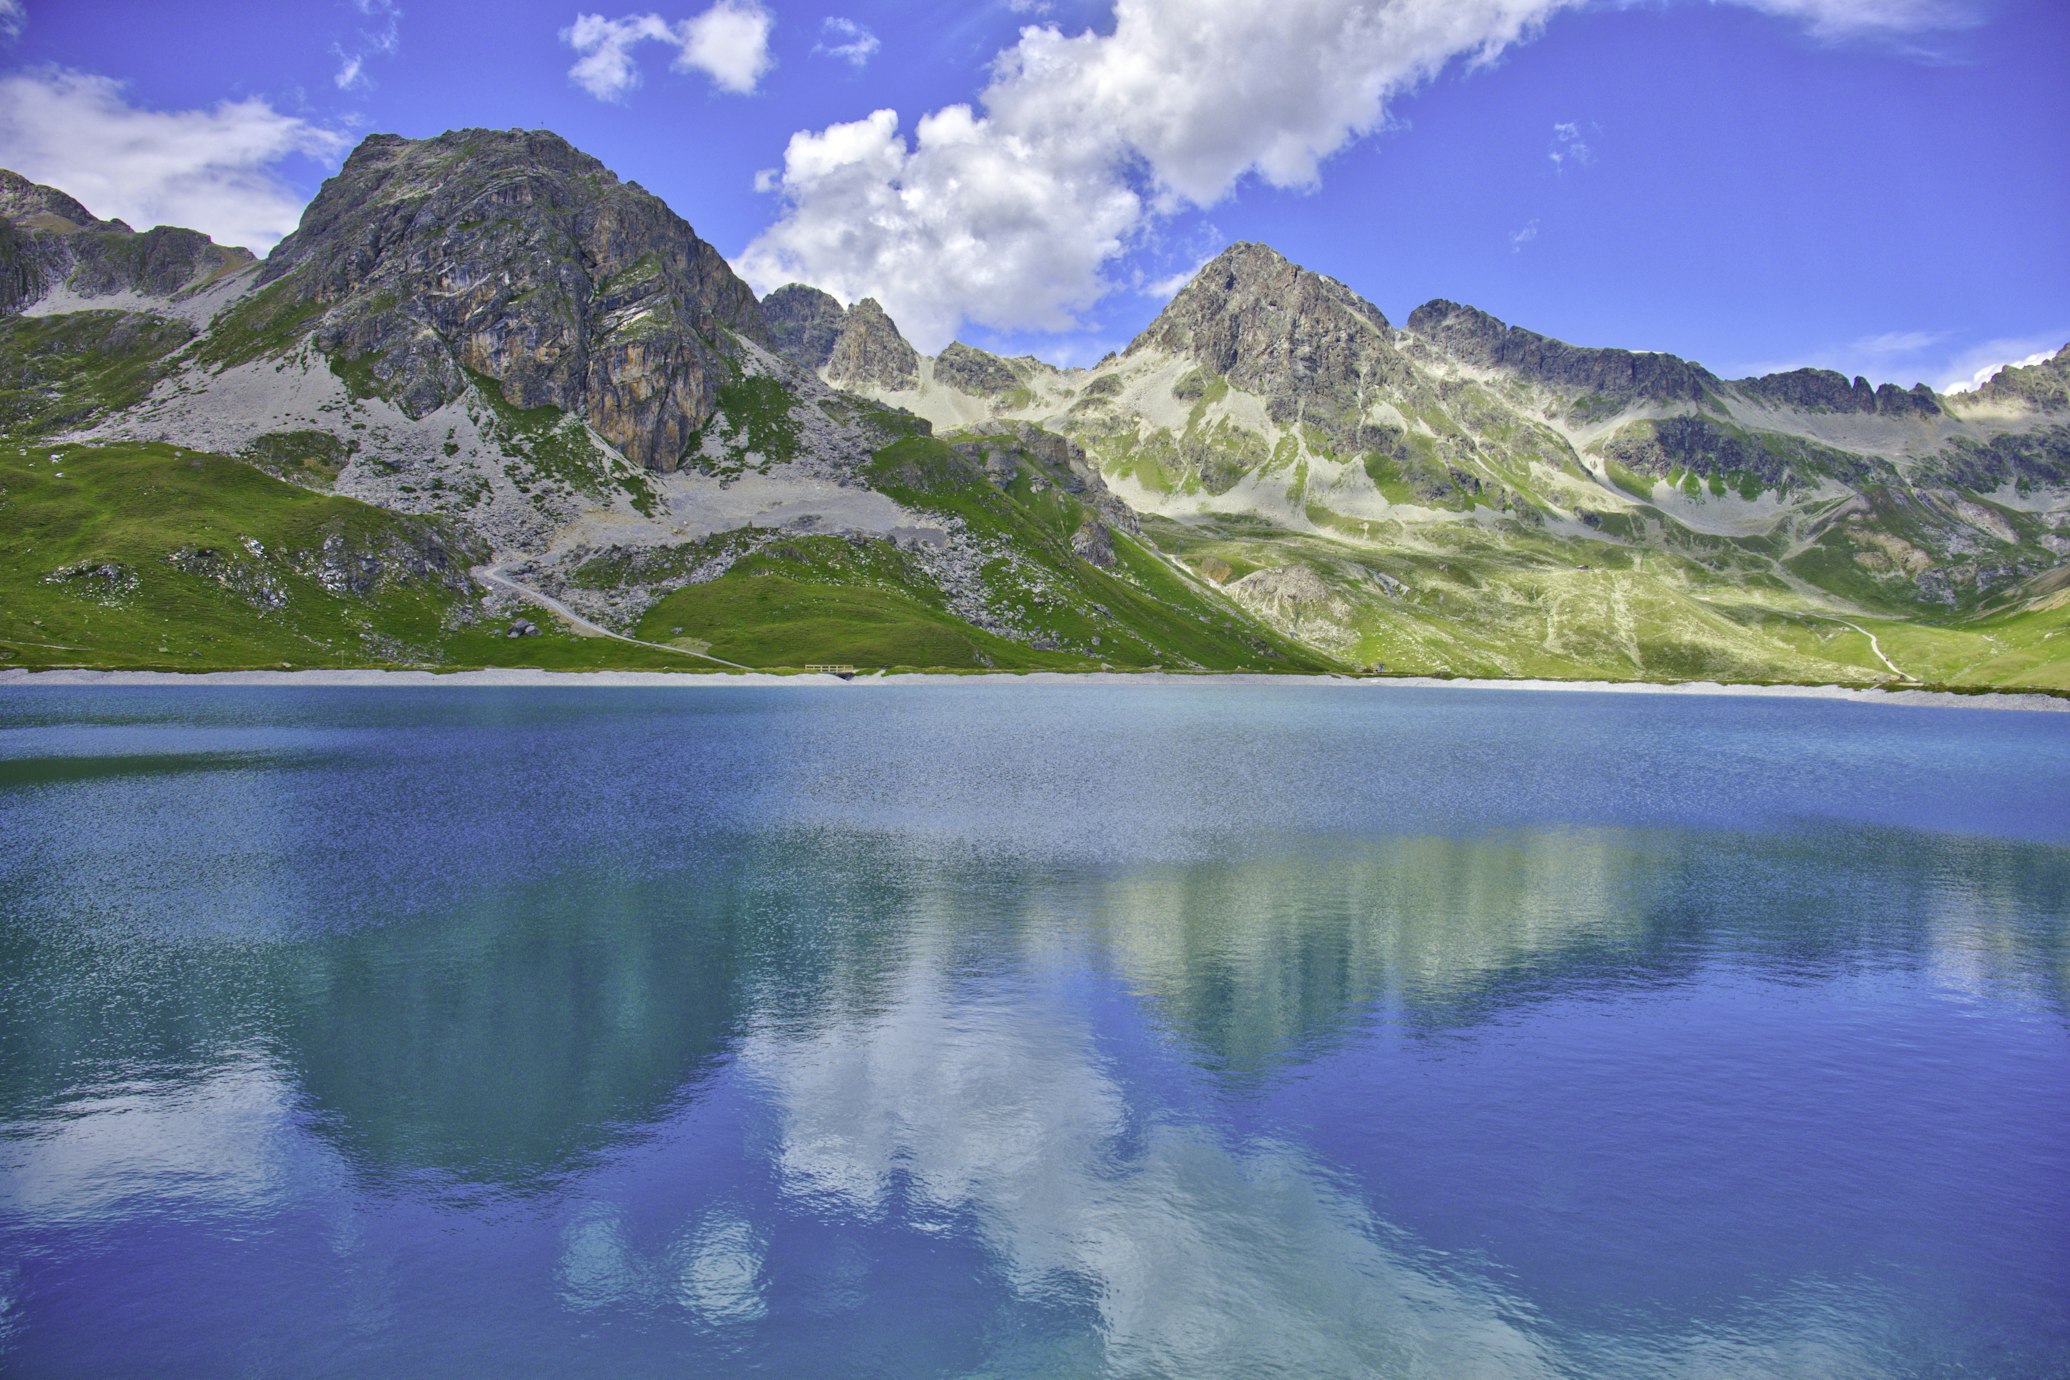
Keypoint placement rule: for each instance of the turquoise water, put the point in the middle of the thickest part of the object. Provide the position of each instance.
(981, 1029)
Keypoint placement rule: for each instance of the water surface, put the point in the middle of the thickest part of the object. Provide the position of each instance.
(1030, 1030)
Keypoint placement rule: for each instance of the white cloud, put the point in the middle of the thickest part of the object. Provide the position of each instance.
(1569, 147)
(1165, 288)
(1519, 238)
(728, 43)
(383, 39)
(1895, 343)
(1008, 211)
(12, 17)
(1974, 367)
(1841, 19)
(847, 40)
(604, 64)
(1916, 356)
(213, 170)
(960, 222)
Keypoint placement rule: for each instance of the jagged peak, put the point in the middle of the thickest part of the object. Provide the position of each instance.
(1246, 293)
(1827, 390)
(804, 293)
(804, 322)
(974, 370)
(35, 206)
(870, 350)
(1475, 338)
(2044, 385)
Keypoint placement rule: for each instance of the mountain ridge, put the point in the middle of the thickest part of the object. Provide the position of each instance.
(489, 330)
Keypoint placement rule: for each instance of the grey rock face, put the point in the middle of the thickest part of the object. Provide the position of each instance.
(35, 206)
(1823, 390)
(804, 322)
(514, 256)
(1479, 340)
(21, 270)
(1696, 444)
(1007, 451)
(1311, 346)
(870, 350)
(2045, 386)
(974, 371)
(48, 239)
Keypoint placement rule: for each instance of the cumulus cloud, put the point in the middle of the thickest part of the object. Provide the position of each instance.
(12, 17)
(728, 43)
(1519, 238)
(1008, 211)
(215, 170)
(847, 40)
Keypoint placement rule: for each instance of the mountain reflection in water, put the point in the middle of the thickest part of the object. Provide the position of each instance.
(764, 1052)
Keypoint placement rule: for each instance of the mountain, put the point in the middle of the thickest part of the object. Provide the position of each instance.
(1461, 494)
(486, 378)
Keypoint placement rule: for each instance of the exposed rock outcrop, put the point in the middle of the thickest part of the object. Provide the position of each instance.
(2044, 386)
(511, 255)
(1823, 390)
(1480, 341)
(1310, 345)
(1297, 600)
(974, 371)
(48, 240)
(869, 350)
(804, 323)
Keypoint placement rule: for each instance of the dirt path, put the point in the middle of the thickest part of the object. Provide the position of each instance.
(1877, 648)
(490, 575)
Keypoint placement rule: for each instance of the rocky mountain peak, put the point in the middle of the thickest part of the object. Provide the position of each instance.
(870, 350)
(33, 206)
(804, 322)
(2045, 386)
(1309, 345)
(974, 370)
(855, 345)
(1480, 341)
(47, 240)
(1248, 303)
(513, 256)
(1825, 390)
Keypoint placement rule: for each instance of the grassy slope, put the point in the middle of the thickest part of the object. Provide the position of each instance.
(1483, 602)
(868, 603)
(124, 515)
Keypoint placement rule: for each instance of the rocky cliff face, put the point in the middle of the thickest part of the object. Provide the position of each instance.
(1823, 390)
(1480, 341)
(2044, 386)
(804, 323)
(870, 350)
(858, 345)
(512, 256)
(974, 371)
(48, 240)
(1308, 344)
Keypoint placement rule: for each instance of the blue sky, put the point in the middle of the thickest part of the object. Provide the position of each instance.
(1878, 186)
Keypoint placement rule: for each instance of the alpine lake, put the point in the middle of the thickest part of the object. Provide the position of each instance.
(977, 1028)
